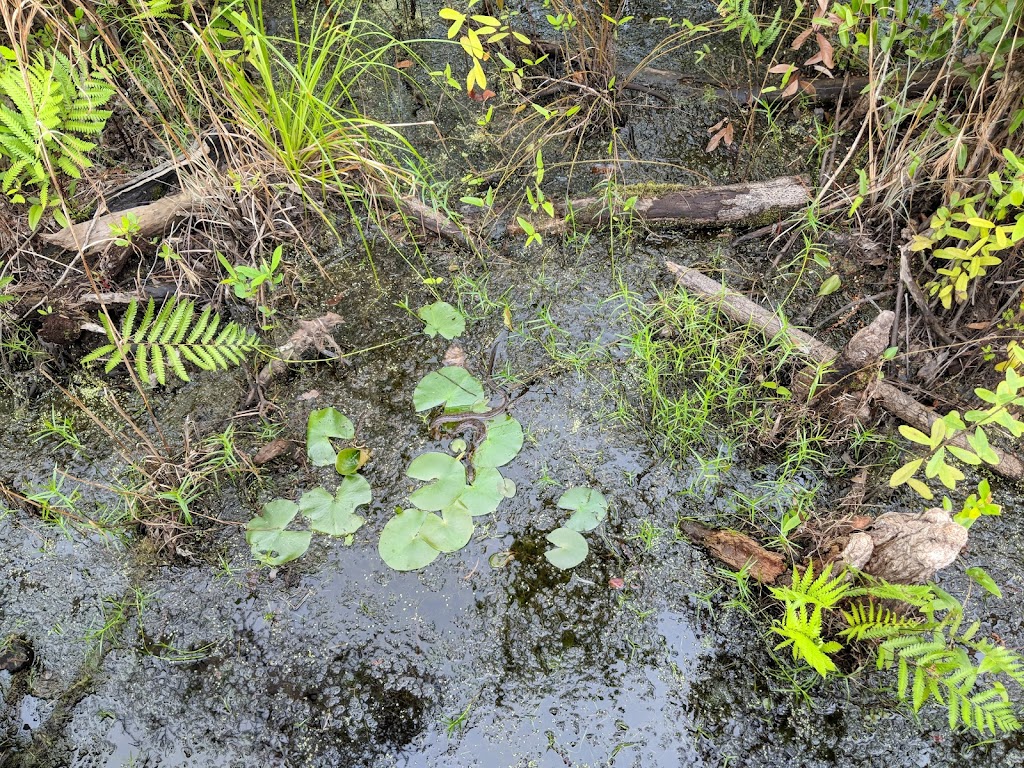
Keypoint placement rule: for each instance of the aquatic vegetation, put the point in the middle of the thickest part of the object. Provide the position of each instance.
(322, 425)
(442, 318)
(271, 540)
(589, 509)
(171, 337)
(459, 487)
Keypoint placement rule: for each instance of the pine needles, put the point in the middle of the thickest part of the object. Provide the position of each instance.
(171, 337)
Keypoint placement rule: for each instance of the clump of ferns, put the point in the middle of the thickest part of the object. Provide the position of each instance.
(917, 630)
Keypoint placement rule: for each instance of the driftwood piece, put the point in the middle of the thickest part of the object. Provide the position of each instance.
(737, 550)
(690, 206)
(94, 235)
(897, 402)
(905, 548)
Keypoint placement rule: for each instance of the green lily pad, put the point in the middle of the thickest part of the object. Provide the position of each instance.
(570, 550)
(453, 387)
(503, 442)
(335, 515)
(321, 427)
(488, 490)
(590, 506)
(401, 547)
(448, 474)
(448, 532)
(268, 539)
(442, 318)
(351, 460)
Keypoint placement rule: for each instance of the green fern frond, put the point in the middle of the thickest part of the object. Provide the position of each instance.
(165, 339)
(870, 620)
(824, 590)
(46, 105)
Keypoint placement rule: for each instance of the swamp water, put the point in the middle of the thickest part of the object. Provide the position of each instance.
(489, 656)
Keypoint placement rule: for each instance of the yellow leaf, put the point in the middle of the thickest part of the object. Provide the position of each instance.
(451, 14)
(476, 75)
(488, 20)
(915, 435)
(922, 490)
(477, 46)
(920, 243)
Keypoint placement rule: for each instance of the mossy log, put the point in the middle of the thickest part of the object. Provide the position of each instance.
(688, 207)
(894, 400)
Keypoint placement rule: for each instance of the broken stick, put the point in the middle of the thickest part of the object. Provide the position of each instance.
(895, 401)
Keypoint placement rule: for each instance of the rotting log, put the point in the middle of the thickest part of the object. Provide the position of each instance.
(153, 219)
(894, 400)
(431, 221)
(692, 207)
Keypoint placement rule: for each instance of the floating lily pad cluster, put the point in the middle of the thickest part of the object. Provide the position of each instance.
(589, 509)
(441, 516)
(268, 535)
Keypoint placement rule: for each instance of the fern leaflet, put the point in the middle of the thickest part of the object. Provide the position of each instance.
(168, 338)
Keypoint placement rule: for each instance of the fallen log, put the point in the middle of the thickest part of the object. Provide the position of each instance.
(895, 401)
(431, 221)
(691, 207)
(153, 219)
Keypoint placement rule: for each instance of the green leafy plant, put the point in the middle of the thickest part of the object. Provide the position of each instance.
(248, 282)
(46, 106)
(737, 15)
(480, 31)
(170, 338)
(442, 318)
(980, 227)
(322, 425)
(589, 509)
(936, 658)
(939, 442)
(125, 230)
(269, 537)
